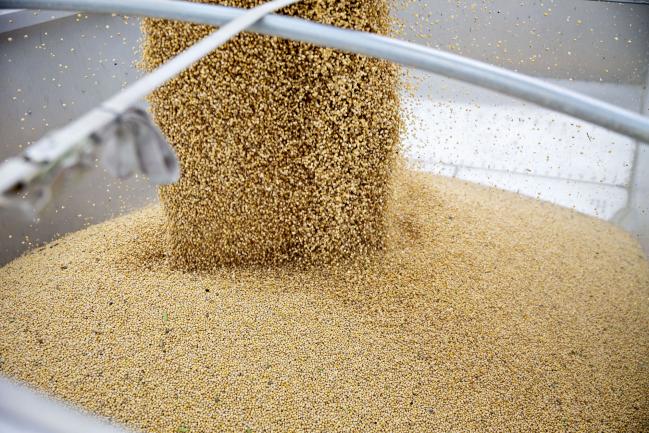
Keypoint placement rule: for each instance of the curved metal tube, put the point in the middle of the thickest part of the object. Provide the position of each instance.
(450, 65)
(130, 141)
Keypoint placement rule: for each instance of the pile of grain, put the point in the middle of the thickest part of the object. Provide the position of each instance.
(487, 312)
(285, 148)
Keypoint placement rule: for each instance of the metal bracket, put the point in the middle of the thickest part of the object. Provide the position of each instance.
(129, 143)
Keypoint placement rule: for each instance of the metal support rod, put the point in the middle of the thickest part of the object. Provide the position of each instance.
(89, 123)
(634, 217)
(447, 64)
(23, 409)
(132, 141)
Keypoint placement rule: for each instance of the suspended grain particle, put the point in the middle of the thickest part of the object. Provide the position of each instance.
(285, 148)
(437, 305)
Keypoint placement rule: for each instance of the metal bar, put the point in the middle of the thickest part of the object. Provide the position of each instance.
(439, 62)
(25, 410)
(633, 2)
(60, 150)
